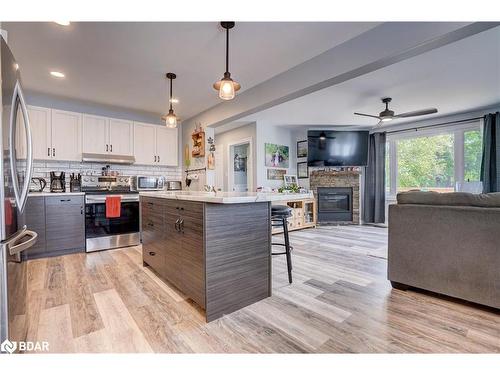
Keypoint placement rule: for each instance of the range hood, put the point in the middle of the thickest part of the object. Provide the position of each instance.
(108, 158)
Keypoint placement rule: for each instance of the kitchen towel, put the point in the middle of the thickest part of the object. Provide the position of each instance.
(113, 204)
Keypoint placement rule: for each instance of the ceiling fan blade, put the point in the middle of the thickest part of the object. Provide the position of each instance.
(422, 112)
(364, 114)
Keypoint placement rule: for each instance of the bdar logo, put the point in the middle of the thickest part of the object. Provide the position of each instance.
(8, 346)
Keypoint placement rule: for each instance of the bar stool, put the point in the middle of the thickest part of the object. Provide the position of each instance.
(279, 218)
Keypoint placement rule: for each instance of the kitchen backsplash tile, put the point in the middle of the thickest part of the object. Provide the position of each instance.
(43, 169)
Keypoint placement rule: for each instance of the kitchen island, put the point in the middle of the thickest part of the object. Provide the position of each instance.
(214, 247)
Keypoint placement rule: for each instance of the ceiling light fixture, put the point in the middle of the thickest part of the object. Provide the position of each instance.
(57, 74)
(171, 118)
(63, 23)
(226, 86)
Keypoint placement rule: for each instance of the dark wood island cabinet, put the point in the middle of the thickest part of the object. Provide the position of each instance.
(219, 255)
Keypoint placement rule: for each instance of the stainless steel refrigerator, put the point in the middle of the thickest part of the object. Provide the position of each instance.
(15, 176)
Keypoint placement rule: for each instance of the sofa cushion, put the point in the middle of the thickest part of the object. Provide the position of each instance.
(449, 199)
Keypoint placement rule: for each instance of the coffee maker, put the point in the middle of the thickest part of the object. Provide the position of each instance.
(57, 182)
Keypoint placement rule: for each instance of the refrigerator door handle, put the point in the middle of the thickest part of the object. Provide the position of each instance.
(16, 248)
(21, 195)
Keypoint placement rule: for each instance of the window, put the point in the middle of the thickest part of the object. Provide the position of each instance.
(473, 144)
(425, 163)
(433, 159)
(387, 168)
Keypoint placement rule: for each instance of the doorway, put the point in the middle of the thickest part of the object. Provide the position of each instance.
(240, 176)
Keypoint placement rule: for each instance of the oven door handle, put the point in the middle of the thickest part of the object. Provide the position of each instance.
(103, 200)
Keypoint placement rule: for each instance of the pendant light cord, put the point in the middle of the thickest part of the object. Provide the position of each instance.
(227, 50)
(170, 94)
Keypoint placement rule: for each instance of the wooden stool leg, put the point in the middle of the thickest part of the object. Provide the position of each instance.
(287, 250)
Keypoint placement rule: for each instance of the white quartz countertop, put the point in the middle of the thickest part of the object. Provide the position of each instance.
(49, 194)
(226, 197)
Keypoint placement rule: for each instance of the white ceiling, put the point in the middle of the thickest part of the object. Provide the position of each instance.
(124, 64)
(461, 76)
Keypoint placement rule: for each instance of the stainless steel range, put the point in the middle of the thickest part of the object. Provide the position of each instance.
(102, 232)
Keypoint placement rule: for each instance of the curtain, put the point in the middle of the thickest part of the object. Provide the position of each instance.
(374, 191)
(490, 162)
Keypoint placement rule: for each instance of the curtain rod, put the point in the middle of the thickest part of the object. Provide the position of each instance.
(435, 125)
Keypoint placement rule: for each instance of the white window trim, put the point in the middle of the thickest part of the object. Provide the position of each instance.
(457, 130)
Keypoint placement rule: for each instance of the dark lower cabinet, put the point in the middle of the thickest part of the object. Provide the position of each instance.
(34, 219)
(60, 224)
(219, 255)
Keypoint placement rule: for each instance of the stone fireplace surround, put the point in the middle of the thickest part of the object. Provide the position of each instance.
(332, 178)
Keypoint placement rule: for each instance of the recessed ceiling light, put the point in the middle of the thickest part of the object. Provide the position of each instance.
(63, 23)
(173, 100)
(57, 74)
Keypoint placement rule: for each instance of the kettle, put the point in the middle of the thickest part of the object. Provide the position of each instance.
(37, 184)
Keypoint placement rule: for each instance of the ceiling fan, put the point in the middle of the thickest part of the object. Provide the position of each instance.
(388, 115)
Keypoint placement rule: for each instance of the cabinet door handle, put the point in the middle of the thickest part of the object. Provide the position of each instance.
(107, 148)
(65, 200)
(181, 225)
(158, 158)
(111, 148)
(152, 253)
(54, 152)
(155, 158)
(48, 151)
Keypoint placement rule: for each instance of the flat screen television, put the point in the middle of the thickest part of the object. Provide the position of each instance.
(337, 148)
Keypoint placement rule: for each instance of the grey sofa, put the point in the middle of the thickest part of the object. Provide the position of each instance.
(447, 243)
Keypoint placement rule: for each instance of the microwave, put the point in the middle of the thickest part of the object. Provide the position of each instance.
(148, 183)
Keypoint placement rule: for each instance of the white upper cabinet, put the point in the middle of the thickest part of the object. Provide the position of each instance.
(40, 122)
(40, 133)
(167, 146)
(66, 135)
(144, 143)
(63, 135)
(155, 145)
(121, 137)
(102, 135)
(95, 134)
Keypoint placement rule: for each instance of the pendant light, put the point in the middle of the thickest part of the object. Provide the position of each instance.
(171, 118)
(226, 86)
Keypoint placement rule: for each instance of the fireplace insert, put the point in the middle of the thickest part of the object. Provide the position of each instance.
(334, 204)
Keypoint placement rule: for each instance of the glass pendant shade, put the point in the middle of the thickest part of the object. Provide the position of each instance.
(171, 119)
(226, 90)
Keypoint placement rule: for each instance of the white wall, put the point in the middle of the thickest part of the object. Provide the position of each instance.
(278, 135)
(222, 141)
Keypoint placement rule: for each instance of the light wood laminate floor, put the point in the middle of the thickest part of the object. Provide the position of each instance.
(340, 302)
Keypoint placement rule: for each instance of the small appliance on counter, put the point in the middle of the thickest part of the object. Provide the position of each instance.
(37, 184)
(75, 182)
(57, 182)
(150, 183)
(173, 185)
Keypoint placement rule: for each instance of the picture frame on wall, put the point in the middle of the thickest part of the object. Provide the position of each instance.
(276, 156)
(276, 174)
(302, 170)
(302, 149)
